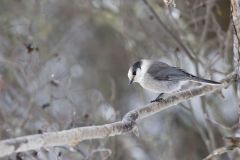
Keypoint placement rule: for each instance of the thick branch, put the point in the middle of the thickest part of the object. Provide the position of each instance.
(74, 136)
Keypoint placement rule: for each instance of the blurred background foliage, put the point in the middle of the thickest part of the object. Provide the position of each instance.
(63, 64)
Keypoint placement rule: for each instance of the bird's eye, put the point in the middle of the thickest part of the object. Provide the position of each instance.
(134, 73)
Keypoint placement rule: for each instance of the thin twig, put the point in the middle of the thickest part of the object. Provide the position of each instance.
(218, 125)
(212, 142)
(198, 127)
(219, 152)
(176, 38)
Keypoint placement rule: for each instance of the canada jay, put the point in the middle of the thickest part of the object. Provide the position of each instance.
(161, 78)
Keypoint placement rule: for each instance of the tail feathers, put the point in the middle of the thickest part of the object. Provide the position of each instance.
(199, 79)
(202, 80)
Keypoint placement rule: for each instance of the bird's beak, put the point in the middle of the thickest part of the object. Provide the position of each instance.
(131, 81)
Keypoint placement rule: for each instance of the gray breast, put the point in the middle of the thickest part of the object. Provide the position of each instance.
(158, 86)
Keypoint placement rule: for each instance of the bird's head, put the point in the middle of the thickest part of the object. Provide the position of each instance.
(134, 72)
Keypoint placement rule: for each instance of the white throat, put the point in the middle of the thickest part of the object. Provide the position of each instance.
(141, 72)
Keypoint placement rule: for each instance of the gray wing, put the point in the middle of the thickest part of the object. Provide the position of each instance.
(164, 72)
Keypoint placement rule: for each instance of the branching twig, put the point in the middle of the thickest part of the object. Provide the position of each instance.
(165, 28)
(218, 152)
(233, 143)
(73, 136)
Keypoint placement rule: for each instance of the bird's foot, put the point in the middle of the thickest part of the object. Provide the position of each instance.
(158, 100)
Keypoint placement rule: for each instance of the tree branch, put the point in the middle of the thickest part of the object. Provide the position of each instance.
(233, 143)
(219, 152)
(236, 41)
(73, 136)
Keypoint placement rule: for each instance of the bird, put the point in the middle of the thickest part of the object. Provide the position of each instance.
(161, 78)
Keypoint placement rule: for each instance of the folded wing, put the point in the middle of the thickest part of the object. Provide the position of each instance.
(164, 72)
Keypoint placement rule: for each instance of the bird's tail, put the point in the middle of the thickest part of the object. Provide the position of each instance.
(199, 79)
(202, 80)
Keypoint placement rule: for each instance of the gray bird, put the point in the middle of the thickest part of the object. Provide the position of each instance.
(161, 78)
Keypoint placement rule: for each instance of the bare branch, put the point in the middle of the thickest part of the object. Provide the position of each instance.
(73, 136)
(233, 143)
(236, 41)
(218, 152)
